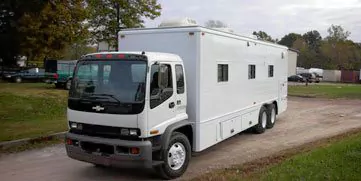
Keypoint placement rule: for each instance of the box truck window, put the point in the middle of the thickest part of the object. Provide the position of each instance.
(270, 70)
(180, 79)
(251, 71)
(222, 73)
(161, 87)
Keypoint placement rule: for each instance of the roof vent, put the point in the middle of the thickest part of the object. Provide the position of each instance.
(178, 22)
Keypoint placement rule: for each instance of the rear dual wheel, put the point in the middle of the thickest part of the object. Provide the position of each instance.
(266, 119)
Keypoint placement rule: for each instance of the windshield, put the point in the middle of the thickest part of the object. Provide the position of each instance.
(122, 81)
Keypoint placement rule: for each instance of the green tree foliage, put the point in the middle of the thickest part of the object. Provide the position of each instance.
(337, 33)
(47, 33)
(10, 37)
(313, 40)
(261, 35)
(103, 16)
(49, 28)
(289, 39)
(76, 50)
(334, 52)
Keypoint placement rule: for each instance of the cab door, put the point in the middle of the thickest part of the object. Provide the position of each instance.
(181, 96)
(162, 101)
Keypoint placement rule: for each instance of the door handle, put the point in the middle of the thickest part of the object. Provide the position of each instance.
(171, 105)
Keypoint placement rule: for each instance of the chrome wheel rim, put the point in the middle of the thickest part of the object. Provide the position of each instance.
(264, 119)
(273, 116)
(176, 156)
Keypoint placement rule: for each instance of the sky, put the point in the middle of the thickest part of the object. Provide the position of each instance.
(276, 17)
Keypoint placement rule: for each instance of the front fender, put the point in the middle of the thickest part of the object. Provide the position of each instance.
(169, 130)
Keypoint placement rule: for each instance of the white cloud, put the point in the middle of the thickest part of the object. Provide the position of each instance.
(276, 17)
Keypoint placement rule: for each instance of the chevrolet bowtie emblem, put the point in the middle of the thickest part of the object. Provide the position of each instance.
(98, 108)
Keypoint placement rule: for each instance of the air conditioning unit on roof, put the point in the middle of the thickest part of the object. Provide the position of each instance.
(178, 22)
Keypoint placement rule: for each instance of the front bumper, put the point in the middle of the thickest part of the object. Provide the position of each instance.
(116, 158)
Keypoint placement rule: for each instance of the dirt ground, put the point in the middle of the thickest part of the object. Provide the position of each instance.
(306, 120)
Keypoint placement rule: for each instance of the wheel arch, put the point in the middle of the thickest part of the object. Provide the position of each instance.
(184, 127)
(276, 106)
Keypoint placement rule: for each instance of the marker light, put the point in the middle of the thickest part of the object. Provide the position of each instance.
(134, 151)
(121, 56)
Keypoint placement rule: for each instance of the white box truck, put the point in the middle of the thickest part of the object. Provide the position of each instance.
(172, 91)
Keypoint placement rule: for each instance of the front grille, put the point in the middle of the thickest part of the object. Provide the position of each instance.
(104, 132)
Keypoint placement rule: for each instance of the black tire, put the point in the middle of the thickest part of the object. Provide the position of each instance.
(18, 79)
(67, 85)
(271, 118)
(99, 166)
(58, 85)
(165, 170)
(261, 126)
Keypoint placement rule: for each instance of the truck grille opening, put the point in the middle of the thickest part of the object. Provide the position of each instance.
(103, 132)
(97, 148)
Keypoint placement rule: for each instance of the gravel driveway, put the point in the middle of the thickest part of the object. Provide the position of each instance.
(306, 120)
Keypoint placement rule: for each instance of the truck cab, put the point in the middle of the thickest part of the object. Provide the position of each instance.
(124, 109)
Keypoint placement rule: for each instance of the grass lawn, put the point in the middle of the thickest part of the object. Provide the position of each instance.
(337, 160)
(30, 110)
(348, 91)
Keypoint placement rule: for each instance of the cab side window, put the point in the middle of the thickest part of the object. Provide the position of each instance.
(180, 79)
(161, 84)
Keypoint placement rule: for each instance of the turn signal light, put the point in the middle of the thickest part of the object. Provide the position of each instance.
(154, 132)
(134, 151)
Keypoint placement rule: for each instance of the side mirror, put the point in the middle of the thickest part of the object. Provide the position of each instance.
(163, 76)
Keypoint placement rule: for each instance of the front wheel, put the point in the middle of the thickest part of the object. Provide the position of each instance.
(176, 157)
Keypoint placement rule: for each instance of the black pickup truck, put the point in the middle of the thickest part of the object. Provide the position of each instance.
(32, 74)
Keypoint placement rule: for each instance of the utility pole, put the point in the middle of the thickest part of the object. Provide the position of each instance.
(117, 28)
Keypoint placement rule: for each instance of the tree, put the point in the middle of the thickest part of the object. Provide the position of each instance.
(103, 15)
(76, 50)
(261, 35)
(46, 33)
(215, 24)
(10, 37)
(289, 39)
(313, 40)
(337, 33)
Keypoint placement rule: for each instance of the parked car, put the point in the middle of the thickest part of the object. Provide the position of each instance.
(311, 77)
(32, 74)
(59, 72)
(296, 78)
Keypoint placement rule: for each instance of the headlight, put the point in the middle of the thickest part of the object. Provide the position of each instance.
(74, 125)
(124, 132)
(129, 132)
(133, 132)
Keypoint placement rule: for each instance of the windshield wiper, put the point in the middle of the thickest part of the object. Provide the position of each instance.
(105, 95)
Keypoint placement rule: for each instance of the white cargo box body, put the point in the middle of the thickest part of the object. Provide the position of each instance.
(219, 109)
